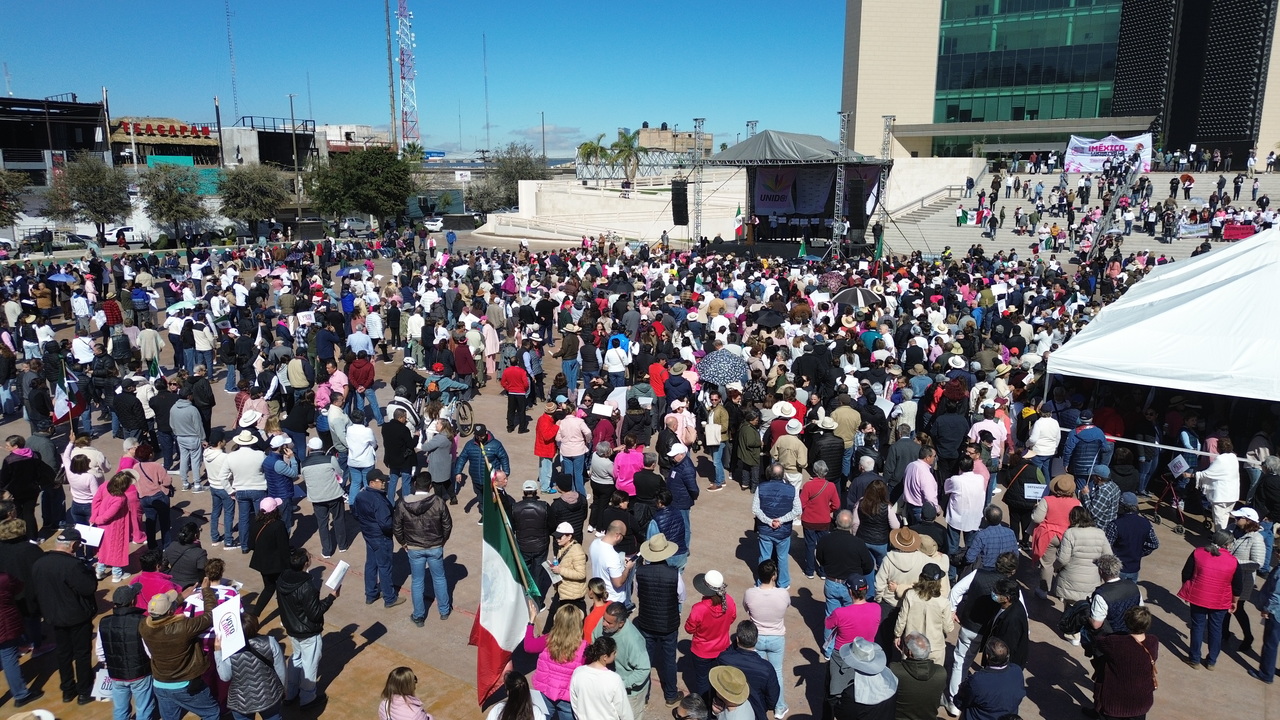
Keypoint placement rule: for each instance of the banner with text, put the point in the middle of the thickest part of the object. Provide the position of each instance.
(1086, 155)
(774, 190)
(813, 188)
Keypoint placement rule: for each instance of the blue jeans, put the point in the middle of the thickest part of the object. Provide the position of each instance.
(688, 528)
(377, 569)
(205, 358)
(367, 402)
(662, 657)
(10, 659)
(359, 481)
(174, 702)
(1200, 618)
(846, 463)
(1146, 471)
(1270, 646)
(271, 713)
(1129, 576)
(420, 562)
(189, 360)
(559, 710)
(402, 477)
(618, 379)
(1044, 462)
(230, 385)
(155, 511)
(223, 507)
(717, 457)
(544, 474)
(79, 513)
(837, 596)
(247, 504)
(570, 370)
(772, 648)
(1269, 540)
(168, 447)
(769, 545)
(574, 466)
(811, 538)
(144, 699)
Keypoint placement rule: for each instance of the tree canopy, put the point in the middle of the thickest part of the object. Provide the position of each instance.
(90, 191)
(171, 195)
(11, 187)
(251, 193)
(508, 166)
(373, 182)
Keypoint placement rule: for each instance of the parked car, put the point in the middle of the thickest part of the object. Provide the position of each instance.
(434, 224)
(355, 225)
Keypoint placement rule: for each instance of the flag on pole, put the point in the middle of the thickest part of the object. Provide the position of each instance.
(739, 228)
(504, 584)
(153, 369)
(68, 401)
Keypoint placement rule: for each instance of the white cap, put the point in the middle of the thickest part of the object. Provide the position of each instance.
(677, 449)
(280, 441)
(1247, 512)
(564, 528)
(531, 486)
(315, 444)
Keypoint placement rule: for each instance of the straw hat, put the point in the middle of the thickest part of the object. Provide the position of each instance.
(731, 684)
(657, 549)
(1063, 483)
(784, 409)
(905, 539)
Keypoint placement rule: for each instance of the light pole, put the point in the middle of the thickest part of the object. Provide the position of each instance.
(297, 175)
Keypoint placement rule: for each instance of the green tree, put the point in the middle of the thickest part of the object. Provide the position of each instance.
(11, 186)
(484, 195)
(413, 152)
(373, 182)
(252, 193)
(171, 196)
(724, 146)
(510, 165)
(90, 191)
(595, 152)
(626, 151)
(444, 201)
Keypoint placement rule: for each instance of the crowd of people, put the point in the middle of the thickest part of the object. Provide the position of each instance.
(915, 443)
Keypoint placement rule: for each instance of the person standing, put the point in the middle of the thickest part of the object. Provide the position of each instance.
(1211, 587)
(66, 596)
(708, 626)
(595, 691)
(659, 592)
(373, 511)
(574, 439)
(1126, 683)
(247, 481)
(362, 455)
(421, 522)
(255, 674)
(632, 659)
(766, 605)
(1132, 537)
(121, 649)
(399, 453)
(775, 505)
(175, 644)
(322, 476)
(302, 614)
(766, 692)
(270, 544)
(921, 681)
(994, 691)
(515, 381)
(682, 481)
(531, 525)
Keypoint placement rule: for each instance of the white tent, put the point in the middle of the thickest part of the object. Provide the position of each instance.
(1205, 324)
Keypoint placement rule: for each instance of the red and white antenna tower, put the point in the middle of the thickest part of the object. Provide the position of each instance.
(408, 91)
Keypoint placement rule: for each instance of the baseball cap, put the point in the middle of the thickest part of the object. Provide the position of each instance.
(1129, 499)
(564, 528)
(530, 485)
(126, 595)
(437, 368)
(1247, 513)
(267, 504)
(1101, 471)
(315, 444)
(70, 535)
(856, 581)
(280, 441)
(677, 449)
(161, 605)
(932, 571)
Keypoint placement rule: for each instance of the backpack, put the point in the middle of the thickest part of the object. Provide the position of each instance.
(121, 349)
(141, 300)
(433, 390)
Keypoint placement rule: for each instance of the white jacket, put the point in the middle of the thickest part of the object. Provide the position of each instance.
(1044, 438)
(1221, 480)
(362, 448)
(244, 465)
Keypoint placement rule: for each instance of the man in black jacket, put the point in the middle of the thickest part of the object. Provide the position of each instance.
(530, 518)
(421, 522)
(202, 396)
(658, 610)
(161, 403)
(302, 615)
(129, 410)
(65, 590)
(766, 692)
(399, 452)
(975, 611)
(128, 664)
(841, 554)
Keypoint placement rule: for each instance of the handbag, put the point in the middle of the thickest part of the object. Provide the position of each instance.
(713, 433)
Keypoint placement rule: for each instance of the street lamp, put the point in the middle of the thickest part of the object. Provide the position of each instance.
(297, 175)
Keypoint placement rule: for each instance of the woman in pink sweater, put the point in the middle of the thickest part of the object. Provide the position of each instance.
(117, 511)
(1211, 586)
(559, 654)
(709, 623)
(399, 697)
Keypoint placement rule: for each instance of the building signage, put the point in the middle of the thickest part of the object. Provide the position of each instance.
(162, 130)
(1086, 155)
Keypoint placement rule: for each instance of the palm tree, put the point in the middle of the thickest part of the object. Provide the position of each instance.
(626, 152)
(595, 152)
(413, 152)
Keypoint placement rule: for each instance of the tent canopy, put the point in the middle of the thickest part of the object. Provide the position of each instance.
(1200, 325)
(771, 147)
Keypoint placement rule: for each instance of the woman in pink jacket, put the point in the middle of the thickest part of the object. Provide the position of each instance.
(559, 654)
(118, 512)
(710, 621)
(399, 697)
(1211, 586)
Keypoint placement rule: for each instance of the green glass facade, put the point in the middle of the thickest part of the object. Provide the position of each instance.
(1001, 60)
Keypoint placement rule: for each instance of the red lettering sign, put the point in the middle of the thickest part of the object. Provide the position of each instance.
(149, 129)
(205, 131)
(173, 130)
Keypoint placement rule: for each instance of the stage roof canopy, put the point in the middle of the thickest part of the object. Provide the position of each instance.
(772, 147)
(1199, 325)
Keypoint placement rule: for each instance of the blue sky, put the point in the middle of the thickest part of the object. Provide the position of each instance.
(591, 67)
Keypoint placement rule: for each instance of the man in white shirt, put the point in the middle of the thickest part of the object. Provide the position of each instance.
(968, 496)
(1042, 443)
(608, 564)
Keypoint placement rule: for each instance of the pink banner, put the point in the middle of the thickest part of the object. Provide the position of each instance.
(1237, 232)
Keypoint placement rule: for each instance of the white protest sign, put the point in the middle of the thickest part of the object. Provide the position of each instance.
(226, 625)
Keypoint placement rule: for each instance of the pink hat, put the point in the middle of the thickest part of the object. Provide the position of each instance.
(267, 504)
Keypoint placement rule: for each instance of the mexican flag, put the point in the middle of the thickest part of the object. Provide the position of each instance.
(153, 369)
(504, 584)
(739, 227)
(68, 401)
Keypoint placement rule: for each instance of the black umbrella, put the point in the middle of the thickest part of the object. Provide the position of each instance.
(857, 297)
(622, 286)
(769, 319)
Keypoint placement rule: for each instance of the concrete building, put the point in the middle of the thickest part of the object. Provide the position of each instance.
(662, 138)
(997, 77)
(346, 138)
(39, 136)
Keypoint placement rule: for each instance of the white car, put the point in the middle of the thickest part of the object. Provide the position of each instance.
(434, 224)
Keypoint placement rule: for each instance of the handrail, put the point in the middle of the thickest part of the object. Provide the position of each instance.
(927, 200)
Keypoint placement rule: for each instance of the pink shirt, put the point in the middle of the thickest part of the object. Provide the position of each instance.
(854, 621)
